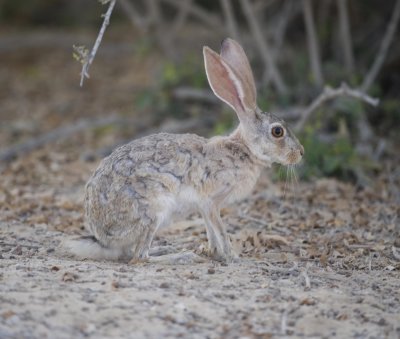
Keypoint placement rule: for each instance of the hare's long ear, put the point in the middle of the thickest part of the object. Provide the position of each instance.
(225, 83)
(235, 56)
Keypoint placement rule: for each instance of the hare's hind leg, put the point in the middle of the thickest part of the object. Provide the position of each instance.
(142, 245)
(142, 242)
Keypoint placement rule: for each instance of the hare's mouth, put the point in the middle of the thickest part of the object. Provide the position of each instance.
(294, 157)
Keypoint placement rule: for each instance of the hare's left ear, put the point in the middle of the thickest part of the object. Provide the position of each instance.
(227, 85)
(235, 56)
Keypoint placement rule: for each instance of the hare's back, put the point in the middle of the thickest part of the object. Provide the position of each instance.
(156, 160)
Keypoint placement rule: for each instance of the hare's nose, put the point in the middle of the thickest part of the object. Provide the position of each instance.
(301, 150)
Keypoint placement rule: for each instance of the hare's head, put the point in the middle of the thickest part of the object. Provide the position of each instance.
(231, 79)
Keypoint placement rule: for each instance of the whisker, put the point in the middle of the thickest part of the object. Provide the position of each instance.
(295, 176)
(292, 178)
(286, 181)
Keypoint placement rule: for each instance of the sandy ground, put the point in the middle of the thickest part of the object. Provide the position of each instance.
(46, 296)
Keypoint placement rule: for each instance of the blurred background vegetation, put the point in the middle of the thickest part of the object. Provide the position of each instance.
(149, 73)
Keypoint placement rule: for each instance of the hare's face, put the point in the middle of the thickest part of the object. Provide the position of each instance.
(231, 79)
(273, 141)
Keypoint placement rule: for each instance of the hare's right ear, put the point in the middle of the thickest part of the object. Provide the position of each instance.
(226, 83)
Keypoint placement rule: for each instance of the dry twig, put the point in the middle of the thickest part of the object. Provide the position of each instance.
(57, 134)
(383, 50)
(331, 93)
(92, 54)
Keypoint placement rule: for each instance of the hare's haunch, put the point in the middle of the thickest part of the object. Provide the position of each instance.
(144, 185)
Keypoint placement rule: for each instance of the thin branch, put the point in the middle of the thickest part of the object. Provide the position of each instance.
(88, 62)
(262, 46)
(136, 19)
(312, 42)
(57, 134)
(230, 18)
(331, 93)
(199, 13)
(345, 35)
(383, 50)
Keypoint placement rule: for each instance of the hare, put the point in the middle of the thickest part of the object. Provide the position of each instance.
(144, 185)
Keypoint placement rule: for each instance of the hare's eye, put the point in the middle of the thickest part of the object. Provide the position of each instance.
(277, 131)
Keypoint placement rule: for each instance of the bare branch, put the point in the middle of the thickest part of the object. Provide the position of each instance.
(345, 35)
(230, 18)
(331, 93)
(134, 17)
(210, 19)
(262, 46)
(312, 42)
(92, 54)
(383, 50)
(57, 134)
